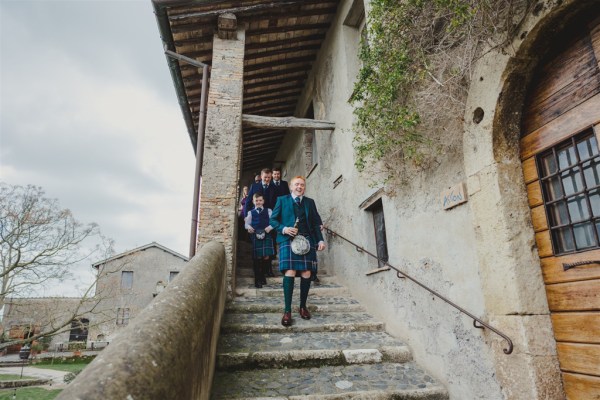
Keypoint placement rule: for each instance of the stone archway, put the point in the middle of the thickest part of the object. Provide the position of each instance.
(510, 272)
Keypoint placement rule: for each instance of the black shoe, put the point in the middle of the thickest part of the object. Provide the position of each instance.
(257, 284)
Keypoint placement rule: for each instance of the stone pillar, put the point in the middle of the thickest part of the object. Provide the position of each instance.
(222, 150)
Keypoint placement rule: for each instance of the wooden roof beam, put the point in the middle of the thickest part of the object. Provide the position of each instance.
(234, 10)
(268, 95)
(259, 121)
(306, 60)
(284, 42)
(296, 78)
(289, 106)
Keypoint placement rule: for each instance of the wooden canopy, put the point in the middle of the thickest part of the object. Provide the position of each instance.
(283, 38)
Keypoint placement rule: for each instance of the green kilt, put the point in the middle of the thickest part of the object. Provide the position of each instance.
(262, 248)
(289, 260)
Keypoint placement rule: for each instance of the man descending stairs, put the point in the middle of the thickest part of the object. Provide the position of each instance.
(341, 352)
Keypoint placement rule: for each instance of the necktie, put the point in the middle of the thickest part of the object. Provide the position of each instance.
(259, 210)
(277, 183)
(264, 186)
(297, 200)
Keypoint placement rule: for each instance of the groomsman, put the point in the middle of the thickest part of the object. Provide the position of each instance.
(281, 187)
(265, 187)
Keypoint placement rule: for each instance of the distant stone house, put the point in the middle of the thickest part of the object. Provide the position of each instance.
(24, 317)
(127, 283)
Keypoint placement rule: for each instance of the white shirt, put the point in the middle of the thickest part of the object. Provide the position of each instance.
(248, 219)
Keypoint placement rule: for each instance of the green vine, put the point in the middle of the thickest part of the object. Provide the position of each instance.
(400, 55)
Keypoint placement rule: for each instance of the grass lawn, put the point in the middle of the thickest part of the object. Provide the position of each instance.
(29, 394)
(62, 367)
(13, 377)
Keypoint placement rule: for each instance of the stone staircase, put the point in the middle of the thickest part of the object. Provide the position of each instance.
(342, 352)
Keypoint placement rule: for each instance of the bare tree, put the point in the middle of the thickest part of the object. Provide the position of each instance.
(40, 243)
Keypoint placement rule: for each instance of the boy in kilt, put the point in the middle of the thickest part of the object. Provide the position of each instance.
(257, 224)
(293, 215)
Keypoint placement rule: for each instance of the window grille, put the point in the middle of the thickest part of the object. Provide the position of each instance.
(570, 178)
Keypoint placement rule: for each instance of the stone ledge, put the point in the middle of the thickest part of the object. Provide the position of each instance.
(23, 383)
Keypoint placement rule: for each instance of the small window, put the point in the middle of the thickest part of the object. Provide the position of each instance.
(570, 178)
(122, 316)
(354, 34)
(172, 275)
(126, 279)
(380, 236)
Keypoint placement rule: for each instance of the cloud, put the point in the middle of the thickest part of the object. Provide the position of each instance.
(88, 112)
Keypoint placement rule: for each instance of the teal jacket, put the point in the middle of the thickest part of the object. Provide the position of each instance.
(283, 215)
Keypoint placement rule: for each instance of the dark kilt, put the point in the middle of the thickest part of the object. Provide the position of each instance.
(262, 248)
(289, 260)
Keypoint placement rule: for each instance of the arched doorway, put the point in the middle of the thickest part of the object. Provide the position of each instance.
(560, 155)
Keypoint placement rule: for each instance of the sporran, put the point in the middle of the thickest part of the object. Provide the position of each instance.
(300, 244)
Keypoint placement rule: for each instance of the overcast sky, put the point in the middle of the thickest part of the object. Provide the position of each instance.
(88, 111)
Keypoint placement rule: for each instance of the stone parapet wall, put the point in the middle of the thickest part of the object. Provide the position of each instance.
(168, 351)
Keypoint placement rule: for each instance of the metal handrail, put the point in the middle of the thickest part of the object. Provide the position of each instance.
(401, 274)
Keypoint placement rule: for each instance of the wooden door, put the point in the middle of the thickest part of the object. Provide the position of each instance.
(561, 165)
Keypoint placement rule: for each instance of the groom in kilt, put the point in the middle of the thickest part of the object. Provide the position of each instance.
(293, 215)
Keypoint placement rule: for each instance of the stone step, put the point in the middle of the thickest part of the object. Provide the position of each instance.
(308, 349)
(374, 381)
(248, 282)
(255, 304)
(320, 322)
(245, 270)
(275, 289)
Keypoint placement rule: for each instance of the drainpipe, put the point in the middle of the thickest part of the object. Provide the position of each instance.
(199, 146)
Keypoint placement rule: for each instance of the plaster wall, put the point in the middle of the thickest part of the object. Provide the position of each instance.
(481, 255)
(435, 246)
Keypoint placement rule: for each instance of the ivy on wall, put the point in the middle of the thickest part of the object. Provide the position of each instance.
(416, 63)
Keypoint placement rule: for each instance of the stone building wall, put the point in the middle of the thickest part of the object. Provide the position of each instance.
(151, 269)
(480, 254)
(42, 313)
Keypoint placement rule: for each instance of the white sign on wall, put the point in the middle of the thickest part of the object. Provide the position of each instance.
(454, 196)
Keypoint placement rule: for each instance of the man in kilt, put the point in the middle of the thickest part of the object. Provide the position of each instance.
(257, 224)
(293, 215)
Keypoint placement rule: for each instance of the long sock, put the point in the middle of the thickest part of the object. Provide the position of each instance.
(304, 288)
(261, 270)
(256, 267)
(288, 290)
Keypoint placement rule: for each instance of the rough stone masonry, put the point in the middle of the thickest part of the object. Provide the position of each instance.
(221, 165)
